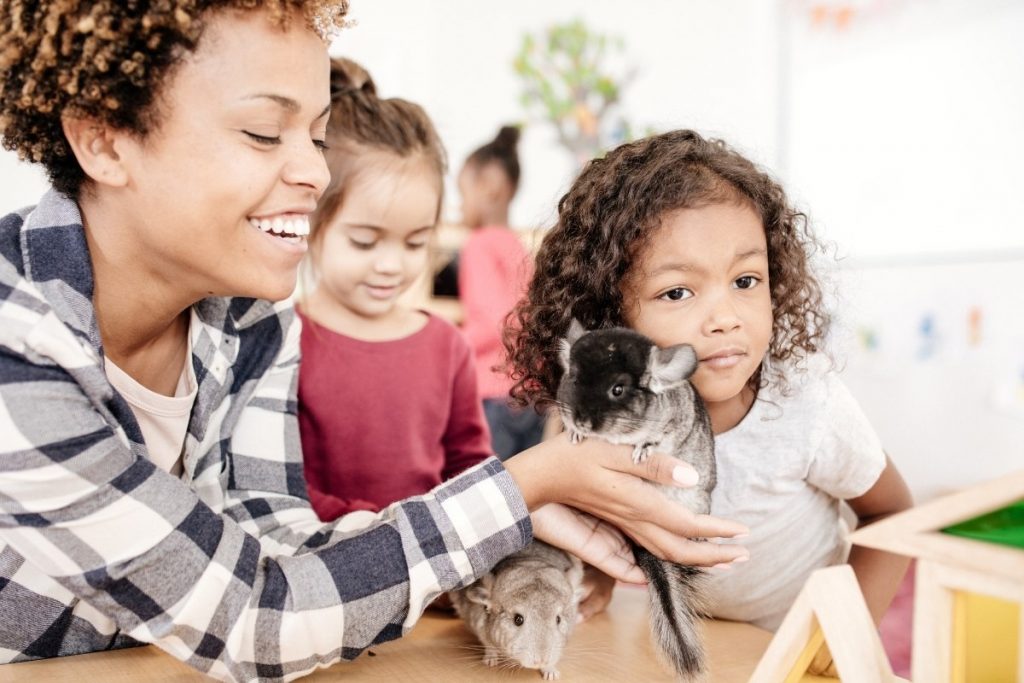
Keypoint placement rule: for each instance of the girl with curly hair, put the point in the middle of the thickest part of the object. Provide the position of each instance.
(151, 484)
(684, 240)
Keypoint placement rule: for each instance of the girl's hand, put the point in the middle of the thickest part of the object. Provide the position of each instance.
(597, 592)
(600, 479)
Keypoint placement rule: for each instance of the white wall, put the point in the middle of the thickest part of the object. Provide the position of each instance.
(700, 63)
(934, 353)
(905, 132)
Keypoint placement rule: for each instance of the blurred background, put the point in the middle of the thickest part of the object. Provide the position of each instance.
(897, 125)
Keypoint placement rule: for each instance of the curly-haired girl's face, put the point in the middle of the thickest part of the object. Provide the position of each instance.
(703, 280)
(218, 195)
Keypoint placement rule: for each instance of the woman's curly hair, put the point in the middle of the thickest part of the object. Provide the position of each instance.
(105, 60)
(607, 218)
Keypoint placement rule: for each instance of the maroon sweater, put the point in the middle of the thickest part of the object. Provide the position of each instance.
(382, 421)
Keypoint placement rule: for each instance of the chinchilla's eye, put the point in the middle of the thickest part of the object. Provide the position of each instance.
(617, 390)
(518, 620)
(558, 618)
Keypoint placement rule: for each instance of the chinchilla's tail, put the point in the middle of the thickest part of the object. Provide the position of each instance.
(676, 608)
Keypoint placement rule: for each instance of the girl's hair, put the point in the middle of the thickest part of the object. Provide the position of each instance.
(362, 122)
(609, 215)
(108, 61)
(503, 151)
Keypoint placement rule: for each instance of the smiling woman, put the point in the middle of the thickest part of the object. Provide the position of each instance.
(151, 482)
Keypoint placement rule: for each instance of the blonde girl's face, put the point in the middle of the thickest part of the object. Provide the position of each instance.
(375, 245)
(703, 280)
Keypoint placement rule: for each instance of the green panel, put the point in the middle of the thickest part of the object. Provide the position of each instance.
(1004, 526)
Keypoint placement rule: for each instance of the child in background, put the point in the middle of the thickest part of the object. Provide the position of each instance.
(708, 251)
(407, 375)
(493, 270)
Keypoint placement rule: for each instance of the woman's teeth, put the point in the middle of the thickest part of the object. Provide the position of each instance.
(290, 229)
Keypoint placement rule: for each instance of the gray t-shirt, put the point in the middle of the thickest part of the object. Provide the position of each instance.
(783, 471)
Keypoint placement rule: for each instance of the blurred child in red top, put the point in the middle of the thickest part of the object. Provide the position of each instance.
(494, 268)
(388, 405)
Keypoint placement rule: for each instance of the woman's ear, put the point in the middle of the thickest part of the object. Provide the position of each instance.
(95, 147)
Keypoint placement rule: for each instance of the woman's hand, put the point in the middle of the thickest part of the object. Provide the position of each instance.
(600, 479)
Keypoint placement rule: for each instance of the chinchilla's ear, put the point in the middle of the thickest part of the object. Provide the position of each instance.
(565, 345)
(480, 592)
(671, 366)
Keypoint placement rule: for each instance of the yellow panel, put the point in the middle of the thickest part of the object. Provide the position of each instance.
(985, 639)
(798, 674)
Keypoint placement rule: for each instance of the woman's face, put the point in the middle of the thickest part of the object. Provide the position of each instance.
(219, 193)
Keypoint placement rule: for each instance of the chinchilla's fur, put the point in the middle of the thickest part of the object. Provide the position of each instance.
(619, 386)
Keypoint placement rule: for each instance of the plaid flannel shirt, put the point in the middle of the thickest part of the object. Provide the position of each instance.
(226, 568)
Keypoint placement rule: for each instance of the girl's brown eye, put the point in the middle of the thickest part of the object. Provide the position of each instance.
(518, 620)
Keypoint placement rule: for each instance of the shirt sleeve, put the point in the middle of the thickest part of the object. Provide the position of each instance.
(849, 457)
(467, 440)
(221, 590)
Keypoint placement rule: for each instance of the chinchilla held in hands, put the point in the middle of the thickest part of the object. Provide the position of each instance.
(619, 386)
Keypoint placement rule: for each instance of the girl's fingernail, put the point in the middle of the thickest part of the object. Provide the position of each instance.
(724, 566)
(686, 476)
(743, 535)
(741, 558)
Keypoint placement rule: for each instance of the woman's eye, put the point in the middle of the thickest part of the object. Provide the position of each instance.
(747, 282)
(677, 294)
(518, 620)
(320, 144)
(365, 246)
(263, 139)
(415, 245)
(618, 390)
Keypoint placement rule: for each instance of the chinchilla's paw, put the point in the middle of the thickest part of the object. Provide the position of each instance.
(640, 453)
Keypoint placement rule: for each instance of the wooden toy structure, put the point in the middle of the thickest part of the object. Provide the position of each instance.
(968, 605)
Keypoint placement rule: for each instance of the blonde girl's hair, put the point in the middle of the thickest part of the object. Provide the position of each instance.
(362, 123)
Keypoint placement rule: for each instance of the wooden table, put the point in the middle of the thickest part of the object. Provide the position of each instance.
(613, 646)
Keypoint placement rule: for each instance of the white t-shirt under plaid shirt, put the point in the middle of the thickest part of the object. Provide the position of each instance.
(226, 568)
